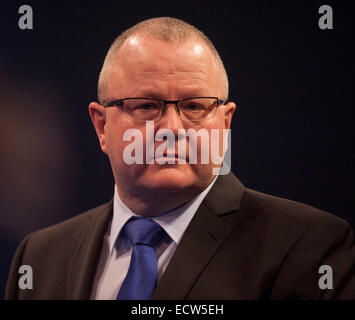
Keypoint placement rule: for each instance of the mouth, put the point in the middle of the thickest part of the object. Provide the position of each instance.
(171, 158)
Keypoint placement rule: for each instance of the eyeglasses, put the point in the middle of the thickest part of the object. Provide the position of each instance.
(144, 109)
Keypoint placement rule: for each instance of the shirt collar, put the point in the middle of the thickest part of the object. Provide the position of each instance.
(174, 222)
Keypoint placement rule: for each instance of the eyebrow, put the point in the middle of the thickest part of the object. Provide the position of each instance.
(150, 94)
(189, 93)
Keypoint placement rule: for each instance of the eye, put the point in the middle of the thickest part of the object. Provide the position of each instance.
(193, 107)
(146, 106)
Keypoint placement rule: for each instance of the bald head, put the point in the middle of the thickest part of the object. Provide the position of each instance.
(168, 30)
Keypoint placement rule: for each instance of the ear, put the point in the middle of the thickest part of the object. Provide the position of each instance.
(98, 118)
(229, 110)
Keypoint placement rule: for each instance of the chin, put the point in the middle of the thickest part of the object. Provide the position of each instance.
(170, 180)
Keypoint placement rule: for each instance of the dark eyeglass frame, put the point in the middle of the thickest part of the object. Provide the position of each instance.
(119, 103)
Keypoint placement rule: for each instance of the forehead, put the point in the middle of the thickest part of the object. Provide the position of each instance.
(144, 64)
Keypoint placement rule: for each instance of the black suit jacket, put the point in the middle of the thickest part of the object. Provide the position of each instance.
(241, 244)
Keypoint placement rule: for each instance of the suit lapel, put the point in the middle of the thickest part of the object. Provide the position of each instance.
(201, 240)
(86, 253)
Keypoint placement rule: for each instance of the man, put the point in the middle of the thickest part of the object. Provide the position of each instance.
(209, 236)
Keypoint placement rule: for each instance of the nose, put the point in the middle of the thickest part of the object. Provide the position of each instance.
(170, 119)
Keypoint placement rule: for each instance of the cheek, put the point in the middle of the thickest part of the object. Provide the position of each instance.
(114, 141)
(218, 138)
(222, 134)
(120, 150)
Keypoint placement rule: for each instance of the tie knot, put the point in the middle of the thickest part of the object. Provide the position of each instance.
(143, 231)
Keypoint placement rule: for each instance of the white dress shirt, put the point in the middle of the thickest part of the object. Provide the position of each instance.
(116, 251)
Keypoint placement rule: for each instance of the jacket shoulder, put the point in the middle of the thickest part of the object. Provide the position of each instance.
(266, 206)
(73, 225)
(63, 234)
(49, 252)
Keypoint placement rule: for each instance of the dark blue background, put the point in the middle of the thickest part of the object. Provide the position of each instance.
(292, 135)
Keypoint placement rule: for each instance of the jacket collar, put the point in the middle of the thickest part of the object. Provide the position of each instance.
(225, 196)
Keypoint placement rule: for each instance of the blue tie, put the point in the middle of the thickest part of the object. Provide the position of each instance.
(142, 275)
